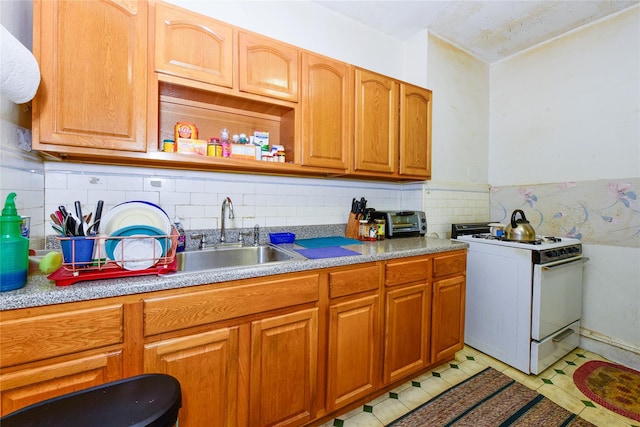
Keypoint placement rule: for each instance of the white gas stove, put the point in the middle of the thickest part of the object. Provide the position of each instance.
(523, 299)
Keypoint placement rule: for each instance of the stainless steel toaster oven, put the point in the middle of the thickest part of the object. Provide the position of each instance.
(403, 223)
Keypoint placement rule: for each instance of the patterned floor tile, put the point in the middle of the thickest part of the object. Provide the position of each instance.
(389, 410)
(434, 385)
(490, 361)
(530, 381)
(602, 417)
(414, 397)
(471, 367)
(557, 395)
(363, 419)
(454, 376)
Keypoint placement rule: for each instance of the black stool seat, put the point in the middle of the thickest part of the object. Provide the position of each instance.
(151, 400)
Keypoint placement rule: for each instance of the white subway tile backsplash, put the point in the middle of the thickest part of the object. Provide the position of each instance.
(196, 197)
(125, 183)
(448, 204)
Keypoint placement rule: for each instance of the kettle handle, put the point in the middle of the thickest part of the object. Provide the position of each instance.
(514, 224)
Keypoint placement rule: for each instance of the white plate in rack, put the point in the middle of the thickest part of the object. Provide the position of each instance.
(138, 253)
(135, 213)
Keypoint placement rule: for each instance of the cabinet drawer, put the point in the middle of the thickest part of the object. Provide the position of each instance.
(408, 270)
(172, 313)
(353, 281)
(32, 338)
(449, 264)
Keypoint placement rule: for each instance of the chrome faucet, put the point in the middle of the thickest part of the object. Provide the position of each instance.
(256, 235)
(225, 202)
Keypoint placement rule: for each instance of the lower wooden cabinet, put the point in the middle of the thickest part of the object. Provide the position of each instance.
(284, 363)
(35, 383)
(206, 365)
(407, 333)
(447, 333)
(447, 329)
(353, 350)
(273, 351)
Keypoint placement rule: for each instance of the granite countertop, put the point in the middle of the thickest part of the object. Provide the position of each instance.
(40, 291)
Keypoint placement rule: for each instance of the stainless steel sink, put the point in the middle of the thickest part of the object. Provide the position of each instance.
(232, 256)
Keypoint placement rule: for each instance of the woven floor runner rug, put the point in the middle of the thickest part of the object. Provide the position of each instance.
(615, 387)
(490, 399)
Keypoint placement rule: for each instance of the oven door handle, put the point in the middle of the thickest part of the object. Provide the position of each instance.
(560, 263)
(564, 334)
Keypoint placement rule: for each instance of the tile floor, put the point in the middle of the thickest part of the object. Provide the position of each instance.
(556, 383)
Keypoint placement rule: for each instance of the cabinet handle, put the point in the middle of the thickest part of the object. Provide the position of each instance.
(563, 335)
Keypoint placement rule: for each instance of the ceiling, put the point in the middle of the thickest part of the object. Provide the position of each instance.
(490, 30)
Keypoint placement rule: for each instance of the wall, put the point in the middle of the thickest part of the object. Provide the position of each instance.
(459, 190)
(310, 26)
(565, 134)
(20, 171)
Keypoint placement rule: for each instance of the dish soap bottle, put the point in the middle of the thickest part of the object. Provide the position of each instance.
(14, 248)
(182, 238)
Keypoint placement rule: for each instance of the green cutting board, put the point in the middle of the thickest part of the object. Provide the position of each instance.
(325, 242)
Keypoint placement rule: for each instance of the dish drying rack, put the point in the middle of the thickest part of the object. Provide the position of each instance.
(102, 267)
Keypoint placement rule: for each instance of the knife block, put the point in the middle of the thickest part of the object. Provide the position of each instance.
(352, 227)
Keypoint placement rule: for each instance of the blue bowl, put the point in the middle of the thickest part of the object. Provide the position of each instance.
(137, 230)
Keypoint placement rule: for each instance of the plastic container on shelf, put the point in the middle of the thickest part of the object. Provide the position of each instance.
(14, 248)
(225, 142)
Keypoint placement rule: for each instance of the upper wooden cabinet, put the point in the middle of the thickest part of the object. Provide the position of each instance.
(93, 61)
(326, 111)
(267, 67)
(376, 123)
(118, 74)
(393, 128)
(193, 46)
(415, 131)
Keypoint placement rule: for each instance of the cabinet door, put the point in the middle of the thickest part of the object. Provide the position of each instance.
(30, 385)
(326, 111)
(93, 62)
(284, 369)
(376, 123)
(206, 365)
(267, 67)
(193, 46)
(448, 318)
(354, 346)
(415, 131)
(408, 314)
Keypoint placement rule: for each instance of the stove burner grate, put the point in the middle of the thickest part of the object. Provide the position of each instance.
(539, 241)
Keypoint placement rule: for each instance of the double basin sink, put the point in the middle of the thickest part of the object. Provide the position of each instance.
(233, 255)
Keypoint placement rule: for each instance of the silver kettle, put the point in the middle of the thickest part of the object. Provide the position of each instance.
(519, 230)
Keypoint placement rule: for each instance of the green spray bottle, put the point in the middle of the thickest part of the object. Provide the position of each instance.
(14, 248)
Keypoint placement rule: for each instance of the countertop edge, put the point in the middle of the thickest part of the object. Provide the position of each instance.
(39, 291)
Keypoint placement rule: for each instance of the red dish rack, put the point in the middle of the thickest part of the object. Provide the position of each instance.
(103, 268)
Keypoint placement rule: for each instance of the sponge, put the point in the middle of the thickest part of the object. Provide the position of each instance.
(51, 262)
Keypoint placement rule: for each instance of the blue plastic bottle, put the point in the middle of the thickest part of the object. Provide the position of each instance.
(14, 249)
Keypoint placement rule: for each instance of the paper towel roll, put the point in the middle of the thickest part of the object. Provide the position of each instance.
(19, 71)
